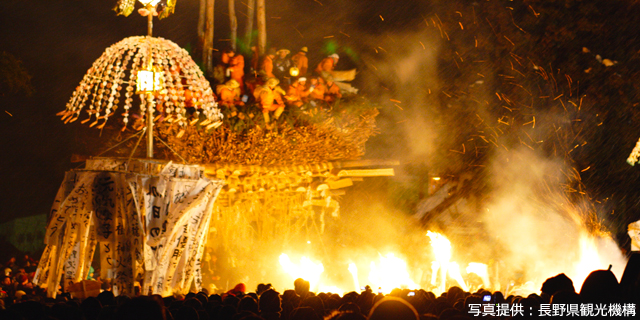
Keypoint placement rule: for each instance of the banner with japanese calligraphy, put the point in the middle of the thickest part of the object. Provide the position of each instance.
(148, 221)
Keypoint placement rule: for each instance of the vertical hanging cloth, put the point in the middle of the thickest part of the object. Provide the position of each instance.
(149, 220)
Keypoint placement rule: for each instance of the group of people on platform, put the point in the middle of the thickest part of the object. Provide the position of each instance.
(274, 82)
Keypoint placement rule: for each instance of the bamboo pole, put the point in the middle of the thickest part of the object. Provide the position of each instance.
(233, 23)
(251, 9)
(201, 25)
(262, 27)
(208, 38)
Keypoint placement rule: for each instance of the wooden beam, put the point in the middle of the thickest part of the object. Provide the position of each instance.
(365, 163)
(343, 183)
(367, 173)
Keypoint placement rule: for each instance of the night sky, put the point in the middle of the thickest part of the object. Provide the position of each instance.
(57, 41)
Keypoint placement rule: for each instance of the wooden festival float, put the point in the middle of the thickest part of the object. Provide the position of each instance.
(223, 180)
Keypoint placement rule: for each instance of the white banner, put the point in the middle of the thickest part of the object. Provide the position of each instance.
(148, 228)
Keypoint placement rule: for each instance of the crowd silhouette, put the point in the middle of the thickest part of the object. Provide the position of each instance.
(601, 296)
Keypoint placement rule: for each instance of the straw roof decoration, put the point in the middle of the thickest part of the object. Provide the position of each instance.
(339, 137)
(109, 85)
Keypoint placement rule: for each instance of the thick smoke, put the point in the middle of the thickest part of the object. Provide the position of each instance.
(537, 229)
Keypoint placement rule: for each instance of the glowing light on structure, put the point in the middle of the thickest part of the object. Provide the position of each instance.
(153, 3)
(306, 269)
(149, 81)
(390, 273)
(294, 71)
(354, 274)
(482, 271)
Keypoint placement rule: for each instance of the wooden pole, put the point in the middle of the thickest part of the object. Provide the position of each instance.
(262, 27)
(233, 23)
(150, 24)
(201, 23)
(208, 38)
(251, 9)
(150, 102)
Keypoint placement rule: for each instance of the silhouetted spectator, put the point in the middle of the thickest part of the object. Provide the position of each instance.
(90, 308)
(247, 303)
(393, 308)
(270, 305)
(140, 308)
(262, 288)
(301, 287)
(304, 313)
(558, 283)
(237, 291)
(600, 286)
(316, 304)
(186, 313)
(630, 281)
(350, 307)
(565, 297)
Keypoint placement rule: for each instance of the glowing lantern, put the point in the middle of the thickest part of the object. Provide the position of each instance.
(149, 81)
(153, 3)
(294, 71)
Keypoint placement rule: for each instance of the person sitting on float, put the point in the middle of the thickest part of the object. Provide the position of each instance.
(269, 98)
(236, 68)
(298, 93)
(229, 94)
(317, 89)
(266, 68)
(282, 65)
(301, 61)
(333, 91)
(327, 65)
